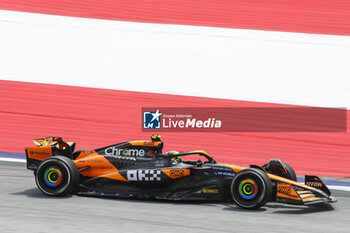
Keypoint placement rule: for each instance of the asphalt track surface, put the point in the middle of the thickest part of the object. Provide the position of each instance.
(23, 208)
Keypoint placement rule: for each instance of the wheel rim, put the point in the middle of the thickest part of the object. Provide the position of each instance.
(248, 189)
(53, 176)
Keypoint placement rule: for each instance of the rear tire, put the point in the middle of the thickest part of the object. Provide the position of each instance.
(57, 176)
(251, 188)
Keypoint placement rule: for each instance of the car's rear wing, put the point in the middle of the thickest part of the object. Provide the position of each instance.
(47, 147)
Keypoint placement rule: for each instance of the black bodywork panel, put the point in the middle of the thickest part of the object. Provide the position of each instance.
(147, 179)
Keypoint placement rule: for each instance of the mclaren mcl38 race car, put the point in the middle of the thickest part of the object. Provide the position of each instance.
(139, 169)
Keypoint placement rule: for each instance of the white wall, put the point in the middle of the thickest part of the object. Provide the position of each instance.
(240, 64)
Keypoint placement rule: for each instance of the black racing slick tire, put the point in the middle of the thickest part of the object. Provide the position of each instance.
(57, 176)
(251, 188)
(279, 171)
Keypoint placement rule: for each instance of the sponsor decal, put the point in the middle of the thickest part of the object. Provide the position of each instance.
(222, 171)
(126, 152)
(151, 120)
(97, 161)
(144, 175)
(210, 191)
(314, 184)
(192, 123)
(222, 168)
(39, 153)
(146, 143)
(243, 119)
(173, 120)
(284, 189)
(176, 173)
(159, 164)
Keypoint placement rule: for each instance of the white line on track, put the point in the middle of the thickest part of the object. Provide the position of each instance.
(337, 187)
(13, 160)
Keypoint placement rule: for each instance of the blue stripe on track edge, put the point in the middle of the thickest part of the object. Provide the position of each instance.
(10, 155)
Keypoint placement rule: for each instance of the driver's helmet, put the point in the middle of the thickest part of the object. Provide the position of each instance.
(173, 152)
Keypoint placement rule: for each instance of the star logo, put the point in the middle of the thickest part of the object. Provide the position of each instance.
(156, 115)
(152, 120)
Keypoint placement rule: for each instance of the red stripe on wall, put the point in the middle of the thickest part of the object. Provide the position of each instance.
(310, 16)
(99, 117)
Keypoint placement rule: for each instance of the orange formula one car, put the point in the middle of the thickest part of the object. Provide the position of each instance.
(139, 169)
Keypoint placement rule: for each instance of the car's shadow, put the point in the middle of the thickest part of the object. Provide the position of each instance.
(275, 208)
(154, 200)
(290, 209)
(36, 193)
(229, 206)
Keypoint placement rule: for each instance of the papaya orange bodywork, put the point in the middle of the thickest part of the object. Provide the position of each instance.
(144, 143)
(39, 152)
(97, 165)
(305, 196)
(311, 199)
(287, 196)
(287, 189)
(235, 168)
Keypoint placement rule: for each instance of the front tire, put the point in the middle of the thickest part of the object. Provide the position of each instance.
(277, 170)
(57, 176)
(251, 188)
